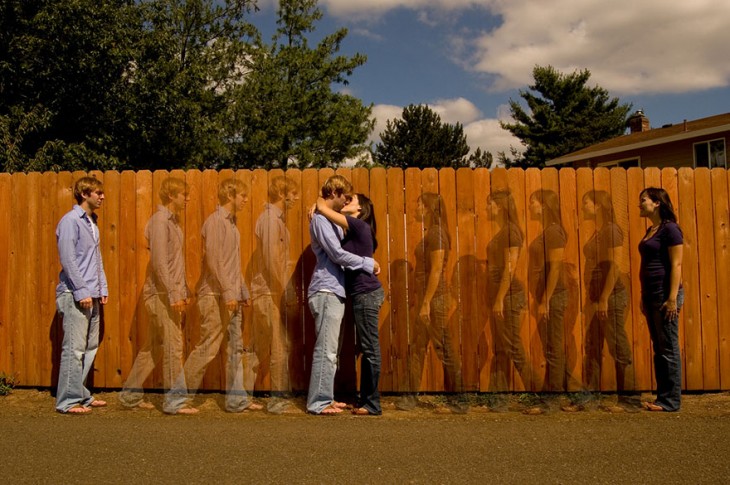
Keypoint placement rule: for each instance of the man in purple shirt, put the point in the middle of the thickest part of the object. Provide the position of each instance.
(82, 288)
(326, 296)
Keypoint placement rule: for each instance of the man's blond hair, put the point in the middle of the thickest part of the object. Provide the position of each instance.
(85, 186)
(336, 185)
(229, 189)
(281, 186)
(170, 188)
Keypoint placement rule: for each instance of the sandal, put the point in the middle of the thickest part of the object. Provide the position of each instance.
(653, 407)
(96, 403)
(361, 412)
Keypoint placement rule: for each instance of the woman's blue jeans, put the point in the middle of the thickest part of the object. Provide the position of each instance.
(667, 359)
(366, 310)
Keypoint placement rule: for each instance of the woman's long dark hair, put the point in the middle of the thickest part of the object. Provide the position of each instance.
(666, 209)
(505, 202)
(367, 214)
(550, 206)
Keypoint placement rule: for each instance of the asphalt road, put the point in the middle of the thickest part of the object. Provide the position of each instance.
(113, 445)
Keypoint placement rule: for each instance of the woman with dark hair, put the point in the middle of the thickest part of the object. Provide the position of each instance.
(435, 306)
(548, 288)
(357, 218)
(506, 294)
(608, 299)
(662, 294)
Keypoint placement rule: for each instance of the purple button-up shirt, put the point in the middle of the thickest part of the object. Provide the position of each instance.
(82, 271)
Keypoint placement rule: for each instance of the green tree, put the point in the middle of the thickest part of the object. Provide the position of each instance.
(181, 85)
(61, 76)
(287, 113)
(480, 159)
(420, 139)
(563, 115)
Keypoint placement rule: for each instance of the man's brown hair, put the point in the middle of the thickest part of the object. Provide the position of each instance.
(85, 186)
(336, 185)
(229, 188)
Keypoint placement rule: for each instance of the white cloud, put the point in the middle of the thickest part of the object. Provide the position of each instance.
(652, 46)
(485, 133)
(630, 47)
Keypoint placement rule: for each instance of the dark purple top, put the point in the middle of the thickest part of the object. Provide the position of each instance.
(655, 263)
(359, 241)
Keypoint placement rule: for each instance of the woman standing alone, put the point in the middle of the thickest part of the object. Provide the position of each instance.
(662, 295)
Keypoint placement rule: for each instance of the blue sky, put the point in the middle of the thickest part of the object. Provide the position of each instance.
(467, 58)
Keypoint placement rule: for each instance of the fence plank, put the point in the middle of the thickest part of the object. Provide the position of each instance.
(399, 270)
(641, 341)
(691, 278)
(722, 256)
(6, 326)
(707, 289)
(128, 255)
(470, 323)
(109, 226)
(483, 236)
(573, 328)
(536, 270)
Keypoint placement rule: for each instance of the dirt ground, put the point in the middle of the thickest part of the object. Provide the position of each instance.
(425, 445)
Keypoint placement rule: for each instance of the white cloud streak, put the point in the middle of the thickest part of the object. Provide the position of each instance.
(630, 47)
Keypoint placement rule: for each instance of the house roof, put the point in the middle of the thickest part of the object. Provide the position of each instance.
(643, 139)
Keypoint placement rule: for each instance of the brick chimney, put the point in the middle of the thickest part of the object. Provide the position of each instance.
(638, 122)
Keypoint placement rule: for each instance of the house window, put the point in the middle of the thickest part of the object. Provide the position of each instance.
(710, 154)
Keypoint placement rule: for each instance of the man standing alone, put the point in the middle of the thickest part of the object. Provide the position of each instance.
(80, 292)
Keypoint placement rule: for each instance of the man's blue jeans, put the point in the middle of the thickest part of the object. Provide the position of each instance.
(328, 310)
(80, 343)
(366, 310)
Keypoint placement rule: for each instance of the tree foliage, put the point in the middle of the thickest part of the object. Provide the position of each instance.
(286, 109)
(420, 139)
(563, 115)
(115, 84)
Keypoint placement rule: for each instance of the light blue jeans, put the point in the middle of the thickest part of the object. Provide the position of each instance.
(163, 345)
(214, 318)
(80, 343)
(328, 310)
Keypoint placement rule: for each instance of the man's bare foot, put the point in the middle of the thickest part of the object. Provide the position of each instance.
(145, 405)
(78, 410)
(330, 410)
(254, 407)
(340, 405)
(96, 403)
(187, 411)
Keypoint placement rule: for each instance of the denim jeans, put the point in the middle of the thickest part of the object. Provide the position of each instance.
(551, 332)
(163, 344)
(435, 330)
(610, 330)
(667, 359)
(271, 344)
(80, 343)
(328, 310)
(508, 347)
(214, 318)
(366, 311)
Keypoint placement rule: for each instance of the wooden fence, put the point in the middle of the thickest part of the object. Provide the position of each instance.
(31, 205)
